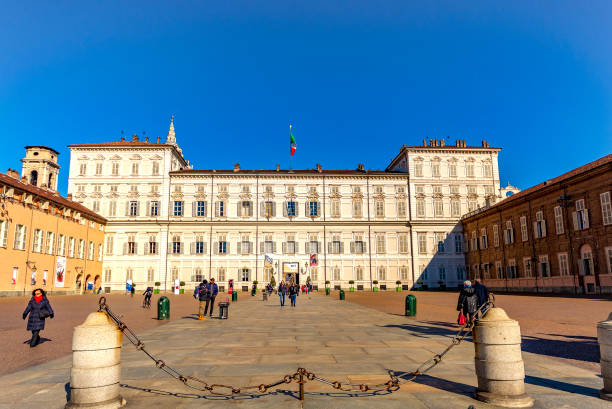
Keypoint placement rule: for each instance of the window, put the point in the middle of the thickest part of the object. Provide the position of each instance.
(133, 209)
(91, 251)
(423, 273)
(199, 245)
(335, 208)
(418, 169)
(268, 209)
(458, 243)
(222, 247)
(442, 273)
(220, 208)
(509, 233)
(419, 189)
(178, 208)
(154, 209)
(134, 169)
(559, 220)
(115, 169)
(435, 170)
(37, 242)
(221, 274)
(150, 275)
(422, 242)
(200, 208)
(244, 246)
(438, 208)
(452, 170)
(131, 245)
(544, 267)
(291, 209)
(539, 226)
(380, 208)
(334, 190)
(314, 273)
(80, 188)
(245, 189)
(512, 271)
(401, 208)
(580, 216)
(50, 247)
(107, 275)
(359, 273)
(495, 235)
(472, 205)
(4, 228)
(313, 246)
(290, 246)
(499, 272)
(109, 245)
(99, 252)
(269, 190)
(474, 244)
(71, 245)
(245, 208)
(152, 245)
(336, 246)
(268, 244)
(98, 169)
(112, 208)
(455, 207)
(437, 189)
(440, 238)
(469, 170)
(61, 245)
(527, 264)
(313, 209)
(81, 249)
(96, 206)
(245, 274)
(606, 208)
(484, 240)
(177, 246)
(471, 190)
(197, 276)
(488, 189)
(564, 265)
(335, 274)
(155, 168)
(382, 273)
(460, 273)
(380, 244)
(486, 170)
(267, 274)
(420, 207)
(356, 189)
(175, 273)
(358, 246)
(403, 273)
(82, 169)
(402, 243)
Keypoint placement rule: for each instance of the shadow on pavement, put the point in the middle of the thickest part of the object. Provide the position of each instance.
(438, 383)
(561, 386)
(42, 340)
(423, 331)
(583, 349)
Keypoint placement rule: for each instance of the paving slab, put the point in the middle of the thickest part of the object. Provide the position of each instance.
(262, 342)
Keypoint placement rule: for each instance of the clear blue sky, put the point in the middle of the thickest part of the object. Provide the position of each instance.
(357, 79)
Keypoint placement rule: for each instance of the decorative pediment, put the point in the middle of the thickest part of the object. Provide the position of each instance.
(177, 195)
(156, 157)
(453, 160)
(200, 196)
(112, 195)
(83, 157)
(154, 194)
(358, 195)
(135, 157)
(470, 159)
(115, 157)
(133, 194)
(435, 159)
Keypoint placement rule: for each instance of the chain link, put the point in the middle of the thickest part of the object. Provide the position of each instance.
(301, 375)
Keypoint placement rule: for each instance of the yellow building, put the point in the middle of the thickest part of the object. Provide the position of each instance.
(46, 240)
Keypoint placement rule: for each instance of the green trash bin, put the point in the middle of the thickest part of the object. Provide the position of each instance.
(411, 306)
(326, 290)
(234, 295)
(163, 308)
(342, 294)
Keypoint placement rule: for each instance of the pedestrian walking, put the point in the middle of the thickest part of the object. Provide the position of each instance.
(293, 291)
(202, 297)
(39, 309)
(213, 290)
(281, 293)
(133, 290)
(482, 292)
(147, 297)
(468, 301)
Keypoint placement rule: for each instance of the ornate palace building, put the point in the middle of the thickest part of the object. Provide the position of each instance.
(170, 222)
(553, 237)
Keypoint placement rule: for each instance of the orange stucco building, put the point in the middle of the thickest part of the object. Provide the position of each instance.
(47, 240)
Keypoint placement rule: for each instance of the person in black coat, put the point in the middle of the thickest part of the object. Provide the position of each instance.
(468, 301)
(482, 292)
(39, 309)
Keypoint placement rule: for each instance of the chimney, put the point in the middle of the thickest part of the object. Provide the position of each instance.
(69, 196)
(158, 139)
(237, 167)
(12, 173)
(485, 144)
(277, 167)
(319, 169)
(134, 138)
(360, 167)
(146, 139)
(442, 142)
(424, 142)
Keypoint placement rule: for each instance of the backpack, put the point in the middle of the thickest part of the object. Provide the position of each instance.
(196, 292)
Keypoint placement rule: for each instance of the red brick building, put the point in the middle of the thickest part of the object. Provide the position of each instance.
(553, 237)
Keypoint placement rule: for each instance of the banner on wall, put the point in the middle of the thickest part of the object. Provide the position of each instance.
(45, 277)
(14, 279)
(177, 287)
(128, 286)
(290, 268)
(60, 271)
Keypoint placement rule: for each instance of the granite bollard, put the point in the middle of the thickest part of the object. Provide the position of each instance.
(604, 337)
(96, 364)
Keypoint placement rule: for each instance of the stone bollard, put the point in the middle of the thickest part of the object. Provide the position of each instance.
(499, 363)
(96, 364)
(604, 337)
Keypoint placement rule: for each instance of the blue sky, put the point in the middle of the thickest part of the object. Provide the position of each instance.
(358, 79)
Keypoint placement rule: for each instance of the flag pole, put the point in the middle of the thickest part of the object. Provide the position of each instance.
(290, 156)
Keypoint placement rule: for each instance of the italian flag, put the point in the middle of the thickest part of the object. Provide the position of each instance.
(292, 143)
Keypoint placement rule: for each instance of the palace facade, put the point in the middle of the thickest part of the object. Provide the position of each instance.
(553, 237)
(170, 222)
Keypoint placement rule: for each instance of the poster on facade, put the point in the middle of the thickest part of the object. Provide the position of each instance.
(128, 286)
(268, 261)
(314, 260)
(45, 277)
(177, 287)
(14, 279)
(60, 271)
(290, 268)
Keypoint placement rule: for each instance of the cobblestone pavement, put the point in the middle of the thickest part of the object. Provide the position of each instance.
(339, 340)
(561, 327)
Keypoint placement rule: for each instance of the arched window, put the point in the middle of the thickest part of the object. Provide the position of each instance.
(336, 274)
(382, 273)
(34, 178)
(150, 274)
(359, 273)
(197, 275)
(175, 274)
(221, 274)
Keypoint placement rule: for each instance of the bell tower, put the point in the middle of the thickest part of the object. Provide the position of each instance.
(40, 166)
